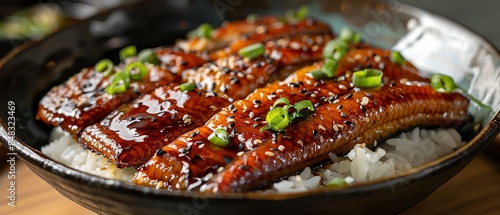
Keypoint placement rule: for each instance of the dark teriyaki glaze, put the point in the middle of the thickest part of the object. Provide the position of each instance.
(82, 99)
(130, 135)
(393, 108)
(243, 124)
(229, 77)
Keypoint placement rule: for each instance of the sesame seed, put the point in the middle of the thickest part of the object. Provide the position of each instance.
(336, 101)
(257, 141)
(377, 58)
(300, 142)
(201, 146)
(342, 87)
(321, 127)
(279, 91)
(239, 154)
(247, 122)
(281, 148)
(364, 100)
(220, 169)
(335, 128)
(250, 77)
(270, 154)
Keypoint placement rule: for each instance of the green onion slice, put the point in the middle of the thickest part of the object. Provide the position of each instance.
(317, 74)
(104, 66)
(329, 67)
(303, 108)
(252, 51)
(219, 137)
(187, 86)
(277, 119)
(445, 84)
(397, 58)
(148, 56)
(337, 182)
(349, 36)
(442, 83)
(119, 84)
(136, 70)
(335, 46)
(127, 52)
(302, 13)
(252, 17)
(203, 31)
(280, 101)
(367, 78)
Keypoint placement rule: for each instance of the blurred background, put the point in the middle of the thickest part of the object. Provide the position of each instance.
(23, 20)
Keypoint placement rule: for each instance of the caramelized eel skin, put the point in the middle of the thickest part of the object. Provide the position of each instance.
(82, 100)
(244, 119)
(130, 135)
(274, 30)
(391, 109)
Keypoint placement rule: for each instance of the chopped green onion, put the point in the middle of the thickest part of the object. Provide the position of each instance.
(252, 51)
(317, 74)
(148, 55)
(303, 108)
(203, 31)
(397, 58)
(335, 46)
(277, 119)
(127, 52)
(349, 36)
(302, 13)
(367, 78)
(329, 67)
(119, 84)
(187, 86)
(264, 128)
(280, 101)
(136, 70)
(442, 83)
(252, 17)
(445, 84)
(219, 137)
(104, 66)
(337, 182)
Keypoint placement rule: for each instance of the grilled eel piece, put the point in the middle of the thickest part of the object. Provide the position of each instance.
(131, 134)
(364, 117)
(232, 36)
(82, 100)
(234, 77)
(192, 157)
(272, 32)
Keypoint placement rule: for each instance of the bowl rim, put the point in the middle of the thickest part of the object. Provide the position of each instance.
(35, 157)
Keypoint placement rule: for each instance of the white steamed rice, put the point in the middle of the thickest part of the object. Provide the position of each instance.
(409, 150)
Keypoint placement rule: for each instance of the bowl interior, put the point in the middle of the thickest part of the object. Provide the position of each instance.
(31, 70)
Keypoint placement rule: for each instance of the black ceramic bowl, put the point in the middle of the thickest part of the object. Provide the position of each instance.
(28, 73)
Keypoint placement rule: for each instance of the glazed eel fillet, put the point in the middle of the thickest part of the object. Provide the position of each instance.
(131, 134)
(232, 36)
(364, 117)
(191, 159)
(82, 101)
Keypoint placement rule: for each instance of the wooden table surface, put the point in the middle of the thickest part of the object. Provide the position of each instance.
(475, 190)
